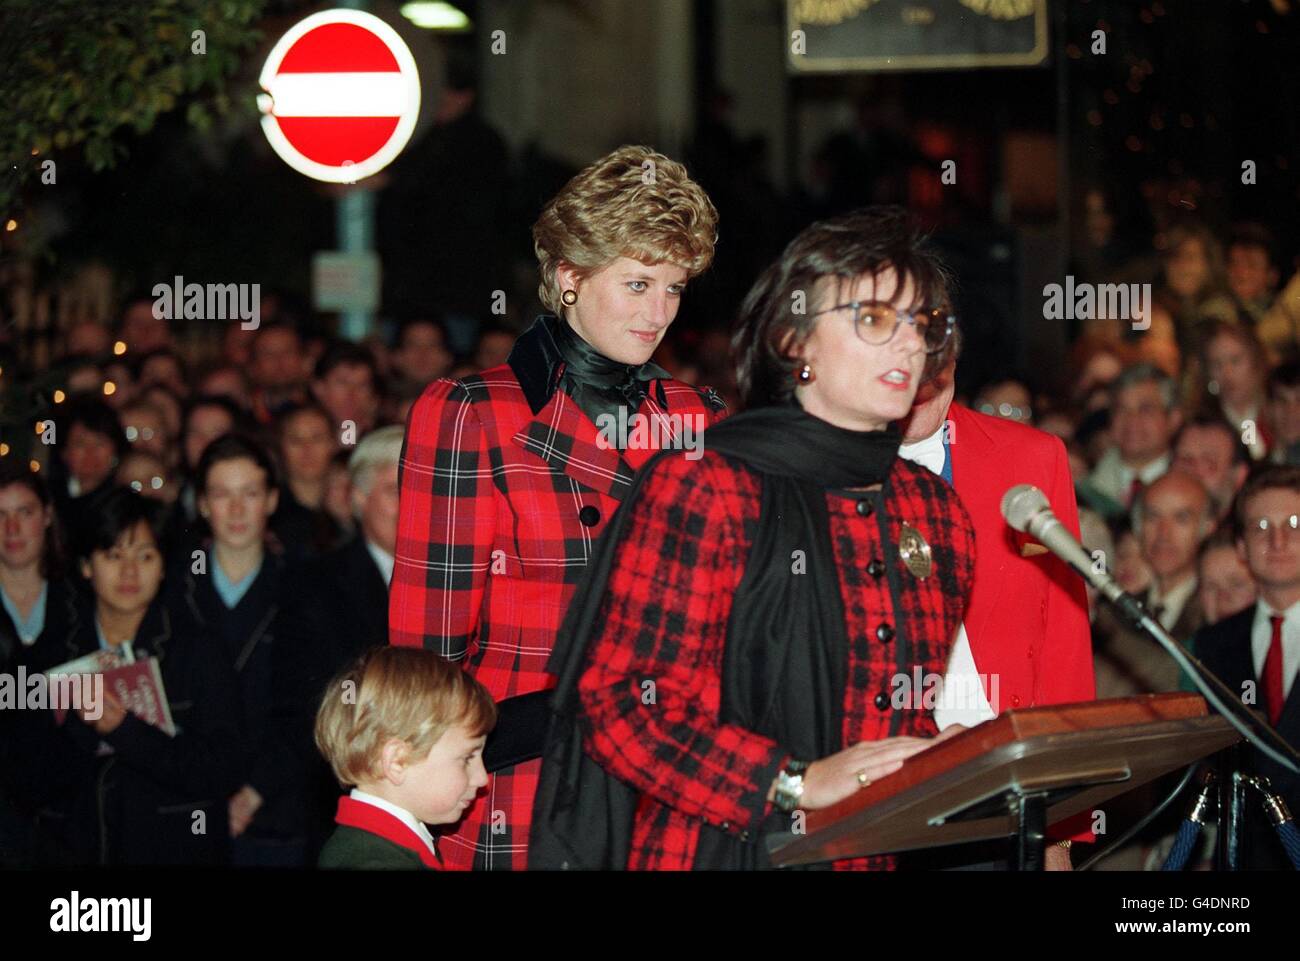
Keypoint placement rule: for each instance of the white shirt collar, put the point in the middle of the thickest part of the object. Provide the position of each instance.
(1148, 474)
(383, 559)
(928, 451)
(1174, 601)
(1263, 611)
(403, 815)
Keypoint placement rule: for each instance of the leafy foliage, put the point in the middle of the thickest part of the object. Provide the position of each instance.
(77, 74)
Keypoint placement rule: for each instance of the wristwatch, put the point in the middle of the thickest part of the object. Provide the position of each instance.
(789, 785)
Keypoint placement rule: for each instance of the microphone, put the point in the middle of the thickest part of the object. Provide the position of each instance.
(1026, 509)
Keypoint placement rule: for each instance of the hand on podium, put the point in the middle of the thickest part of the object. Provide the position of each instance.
(832, 779)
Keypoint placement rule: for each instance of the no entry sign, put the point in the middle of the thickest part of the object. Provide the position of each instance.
(342, 96)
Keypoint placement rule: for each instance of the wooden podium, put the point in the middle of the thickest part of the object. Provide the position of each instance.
(1012, 777)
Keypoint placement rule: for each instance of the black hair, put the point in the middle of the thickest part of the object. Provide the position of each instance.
(233, 446)
(237, 415)
(1210, 421)
(869, 240)
(1283, 375)
(95, 416)
(116, 512)
(137, 368)
(341, 353)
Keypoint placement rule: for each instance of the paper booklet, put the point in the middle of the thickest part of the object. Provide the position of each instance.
(138, 684)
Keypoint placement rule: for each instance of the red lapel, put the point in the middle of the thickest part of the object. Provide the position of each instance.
(366, 817)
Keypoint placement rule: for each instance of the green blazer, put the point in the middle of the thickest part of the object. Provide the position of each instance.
(353, 849)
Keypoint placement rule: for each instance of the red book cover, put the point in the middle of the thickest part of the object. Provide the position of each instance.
(139, 687)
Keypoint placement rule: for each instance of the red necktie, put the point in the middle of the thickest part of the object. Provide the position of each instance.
(1273, 673)
(1134, 489)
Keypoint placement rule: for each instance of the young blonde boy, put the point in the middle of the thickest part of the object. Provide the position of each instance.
(403, 728)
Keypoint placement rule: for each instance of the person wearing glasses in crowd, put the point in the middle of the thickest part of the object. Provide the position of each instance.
(509, 476)
(732, 657)
(1258, 649)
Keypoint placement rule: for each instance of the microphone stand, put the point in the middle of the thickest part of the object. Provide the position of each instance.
(1221, 697)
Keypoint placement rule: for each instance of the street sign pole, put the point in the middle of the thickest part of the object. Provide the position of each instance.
(355, 224)
(354, 215)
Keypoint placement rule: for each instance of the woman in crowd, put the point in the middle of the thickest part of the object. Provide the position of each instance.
(307, 440)
(39, 610)
(1236, 372)
(507, 480)
(729, 658)
(245, 594)
(121, 791)
(90, 443)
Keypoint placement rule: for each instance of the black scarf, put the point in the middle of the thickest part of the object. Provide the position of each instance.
(598, 385)
(783, 673)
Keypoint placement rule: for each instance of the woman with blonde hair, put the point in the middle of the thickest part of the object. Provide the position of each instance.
(509, 476)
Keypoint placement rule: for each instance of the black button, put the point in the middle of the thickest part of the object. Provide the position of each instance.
(881, 701)
(876, 568)
(589, 516)
(884, 633)
(865, 507)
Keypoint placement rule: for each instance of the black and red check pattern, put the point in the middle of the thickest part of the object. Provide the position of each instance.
(651, 692)
(501, 505)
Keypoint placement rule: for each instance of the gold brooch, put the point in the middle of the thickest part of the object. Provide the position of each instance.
(915, 552)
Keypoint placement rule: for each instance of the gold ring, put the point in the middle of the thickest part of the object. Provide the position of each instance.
(863, 779)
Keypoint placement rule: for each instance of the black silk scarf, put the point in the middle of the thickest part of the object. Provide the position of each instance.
(598, 385)
(783, 673)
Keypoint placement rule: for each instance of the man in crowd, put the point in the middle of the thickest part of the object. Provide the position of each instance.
(1171, 519)
(1144, 415)
(347, 386)
(1257, 651)
(1211, 451)
(277, 370)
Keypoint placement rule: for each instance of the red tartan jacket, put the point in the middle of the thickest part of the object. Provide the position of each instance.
(664, 620)
(504, 488)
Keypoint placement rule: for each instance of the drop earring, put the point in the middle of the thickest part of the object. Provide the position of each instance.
(805, 374)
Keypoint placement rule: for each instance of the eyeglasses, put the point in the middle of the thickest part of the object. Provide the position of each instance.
(1259, 528)
(876, 323)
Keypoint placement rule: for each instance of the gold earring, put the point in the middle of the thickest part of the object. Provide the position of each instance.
(569, 298)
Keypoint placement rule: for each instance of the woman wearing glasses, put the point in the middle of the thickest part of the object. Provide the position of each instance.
(750, 638)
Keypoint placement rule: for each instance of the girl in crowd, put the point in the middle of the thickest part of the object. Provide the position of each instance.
(734, 651)
(243, 594)
(1236, 371)
(307, 440)
(121, 791)
(507, 480)
(39, 609)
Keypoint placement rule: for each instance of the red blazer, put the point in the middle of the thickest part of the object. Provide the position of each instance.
(1027, 619)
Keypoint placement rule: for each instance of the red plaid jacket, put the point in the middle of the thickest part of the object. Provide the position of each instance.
(504, 490)
(665, 621)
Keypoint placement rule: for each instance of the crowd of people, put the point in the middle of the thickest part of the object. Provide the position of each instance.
(242, 521)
